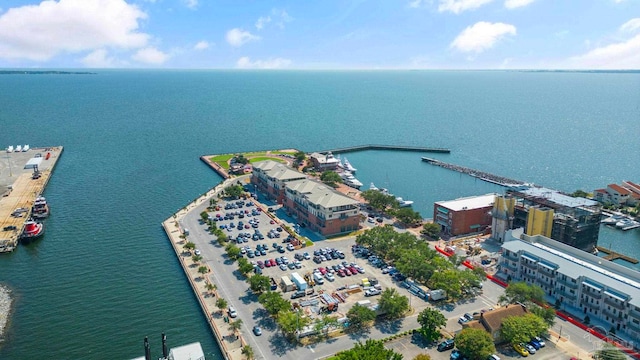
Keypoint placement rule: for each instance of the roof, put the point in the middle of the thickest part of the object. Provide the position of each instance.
(558, 197)
(619, 189)
(633, 187)
(320, 194)
(191, 351)
(468, 203)
(474, 324)
(325, 158)
(493, 319)
(578, 264)
(602, 191)
(278, 171)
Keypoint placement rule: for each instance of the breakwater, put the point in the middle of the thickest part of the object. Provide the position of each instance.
(387, 147)
(5, 308)
(482, 175)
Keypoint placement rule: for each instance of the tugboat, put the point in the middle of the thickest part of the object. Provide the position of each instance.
(32, 230)
(40, 208)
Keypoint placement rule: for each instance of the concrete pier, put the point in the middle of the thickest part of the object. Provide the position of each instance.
(482, 175)
(22, 190)
(387, 147)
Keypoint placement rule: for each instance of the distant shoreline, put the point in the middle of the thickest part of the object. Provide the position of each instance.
(44, 72)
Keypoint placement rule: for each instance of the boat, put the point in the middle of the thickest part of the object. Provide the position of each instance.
(10, 149)
(348, 166)
(25, 148)
(32, 230)
(623, 223)
(404, 203)
(340, 164)
(18, 148)
(40, 209)
(611, 220)
(372, 186)
(350, 180)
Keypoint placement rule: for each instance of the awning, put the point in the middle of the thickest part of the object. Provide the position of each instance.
(615, 295)
(591, 285)
(529, 257)
(548, 265)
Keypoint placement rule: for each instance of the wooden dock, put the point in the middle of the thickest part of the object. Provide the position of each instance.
(612, 255)
(387, 147)
(22, 194)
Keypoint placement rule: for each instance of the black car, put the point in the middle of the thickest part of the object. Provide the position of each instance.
(297, 294)
(446, 345)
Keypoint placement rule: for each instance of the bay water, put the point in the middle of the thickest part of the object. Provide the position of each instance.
(104, 275)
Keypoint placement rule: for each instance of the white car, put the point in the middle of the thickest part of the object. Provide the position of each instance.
(197, 252)
(372, 292)
(232, 312)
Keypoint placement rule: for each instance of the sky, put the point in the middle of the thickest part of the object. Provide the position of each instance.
(325, 34)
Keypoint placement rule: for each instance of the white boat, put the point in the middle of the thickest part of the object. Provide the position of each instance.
(348, 166)
(18, 148)
(372, 186)
(340, 164)
(612, 220)
(25, 148)
(350, 180)
(10, 149)
(404, 203)
(623, 223)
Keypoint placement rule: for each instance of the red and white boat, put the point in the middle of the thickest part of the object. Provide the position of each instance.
(32, 230)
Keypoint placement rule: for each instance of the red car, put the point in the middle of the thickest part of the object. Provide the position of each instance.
(347, 272)
(340, 273)
(322, 270)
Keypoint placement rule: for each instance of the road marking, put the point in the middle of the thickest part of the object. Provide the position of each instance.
(310, 348)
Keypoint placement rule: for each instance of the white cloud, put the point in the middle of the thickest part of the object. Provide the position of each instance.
(482, 36)
(150, 55)
(458, 6)
(238, 37)
(621, 55)
(417, 4)
(512, 4)
(630, 26)
(191, 4)
(281, 16)
(98, 59)
(40, 32)
(262, 21)
(277, 63)
(201, 45)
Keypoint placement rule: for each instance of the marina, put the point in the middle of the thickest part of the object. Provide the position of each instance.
(612, 255)
(23, 179)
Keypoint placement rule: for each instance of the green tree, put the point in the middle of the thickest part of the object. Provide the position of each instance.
(324, 323)
(523, 293)
(244, 266)
(211, 288)
(360, 316)
(300, 157)
(196, 258)
(189, 246)
(273, 302)
(430, 321)
(609, 352)
(235, 326)
(370, 350)
(240, 159)
(232, 251)
(580, 193)
(408, 216)
(548, 314)
(518, 329)
(291, 322)
(331, 178)
(447, 280)
(431, 230)
(259, 283)
(379, 200)
(422, 357)
(234, 191)
(412, 263)
(392, 304)
(247, 351)
(204, 216)
(203, 270)
(475, 343)
(221, 304)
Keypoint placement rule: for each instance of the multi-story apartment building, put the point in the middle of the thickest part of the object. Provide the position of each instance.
(314, 204)
(541, 211)
(270, 178)
(584, 284)
(464, 215)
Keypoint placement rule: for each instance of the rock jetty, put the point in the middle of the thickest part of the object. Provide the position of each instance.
(5, 308)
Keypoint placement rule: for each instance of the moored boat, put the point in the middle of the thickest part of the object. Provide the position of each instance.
(18, 148)
(32, 230)
(348, 166)
(404, 203)
(25, 148)
(350, 180)
(40, 209)
(10, 149)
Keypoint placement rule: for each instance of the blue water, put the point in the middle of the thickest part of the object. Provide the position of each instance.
(104, 276)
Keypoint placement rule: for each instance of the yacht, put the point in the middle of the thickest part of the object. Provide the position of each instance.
(348, 166)
(10, 149)
(350, 180)
(340, 164)
(40, 209)
(404, 203)
(25, 148)
(612, 220)
(18, 148)
(372, 186)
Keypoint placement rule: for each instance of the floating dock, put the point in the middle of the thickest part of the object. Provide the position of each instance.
(387, 147)
(482, 175)
(612, 255)
(22, 190)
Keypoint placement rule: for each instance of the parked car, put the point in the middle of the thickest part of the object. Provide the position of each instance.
(372, 292)
(539, 340)
(446, 345)
(232, 312)
(257, 331)
(297, 294)
(520, 350)
(529, 348)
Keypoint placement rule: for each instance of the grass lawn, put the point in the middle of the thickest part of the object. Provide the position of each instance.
(222, 160)
(262, 158)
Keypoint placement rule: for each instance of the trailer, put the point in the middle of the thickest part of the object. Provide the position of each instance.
(438, 294)
(286, 284)
(299, 281)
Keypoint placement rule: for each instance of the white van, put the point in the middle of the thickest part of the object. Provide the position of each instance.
(318, 278)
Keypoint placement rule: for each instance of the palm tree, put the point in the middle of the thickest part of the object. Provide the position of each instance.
(221, 304)
(211, 288)
(196, 258)
(247, 351)
(235, 326)
(203, 270)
